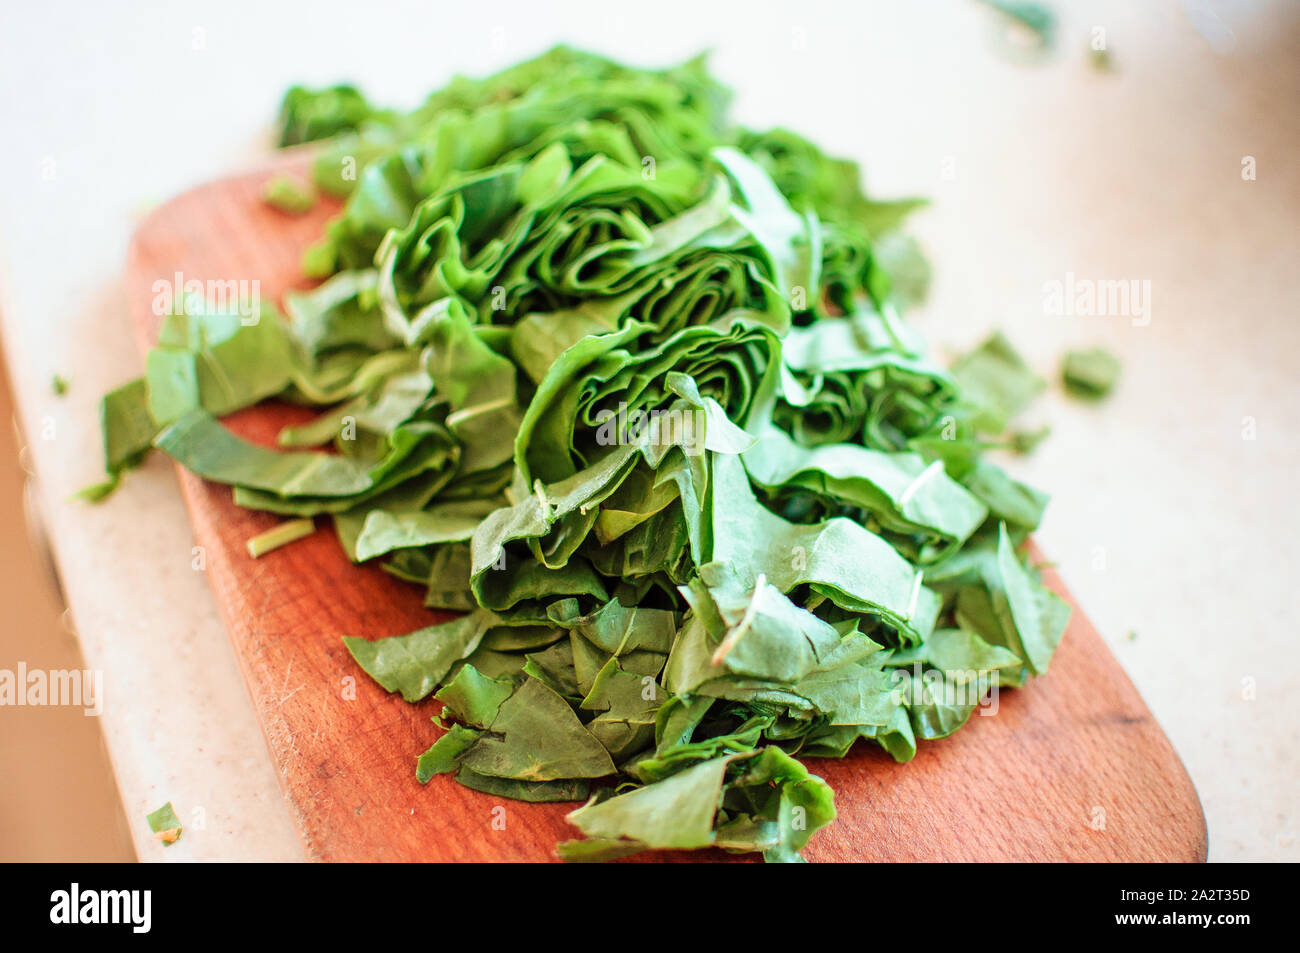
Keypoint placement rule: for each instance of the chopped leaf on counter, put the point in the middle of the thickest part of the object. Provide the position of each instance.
(1026, 441)
(1101, 59)
(1090, 373)
(127, 430)
(1036, 18)
(630, 388)
(164, 823)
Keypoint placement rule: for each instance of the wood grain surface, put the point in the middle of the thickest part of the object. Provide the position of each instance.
(1071, 768)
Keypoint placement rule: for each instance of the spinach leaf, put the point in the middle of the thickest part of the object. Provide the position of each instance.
(164, 823)
(997, 381)
(285, 193)
(1091, 373)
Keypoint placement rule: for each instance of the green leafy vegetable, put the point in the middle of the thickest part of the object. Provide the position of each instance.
(282, 535)
(287, 194)
(1101, 58)
(128, 430)
(1026, 441)
(1038, 19)
(307, 115)
(630, 388)
(997, 381)
(164, 823)
(1091, 373)
(753, 801)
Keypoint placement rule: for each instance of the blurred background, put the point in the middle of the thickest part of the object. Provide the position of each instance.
(58, 797)
(1166, 154)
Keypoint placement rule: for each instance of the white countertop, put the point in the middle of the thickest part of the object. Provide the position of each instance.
(1167, 521)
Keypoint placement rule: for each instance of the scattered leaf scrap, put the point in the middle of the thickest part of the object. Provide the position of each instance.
(164, 823)
(287, 532)
(287, 194)
(1090, 373)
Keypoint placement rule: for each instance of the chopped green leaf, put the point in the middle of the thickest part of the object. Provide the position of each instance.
(1091, 373)
(1101, 58)
(997, 381)
(307, 115)
(128, 432)
(287, 194)
(1036, 18)
(164, 823)
(1026, 441)
(287, 532)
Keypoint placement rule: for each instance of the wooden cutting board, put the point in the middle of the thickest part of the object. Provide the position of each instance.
(1071, 768)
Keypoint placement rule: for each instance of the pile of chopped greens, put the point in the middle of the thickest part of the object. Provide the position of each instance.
(628, 387)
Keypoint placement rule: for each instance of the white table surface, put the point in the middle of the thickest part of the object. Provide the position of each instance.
(1166, 522)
